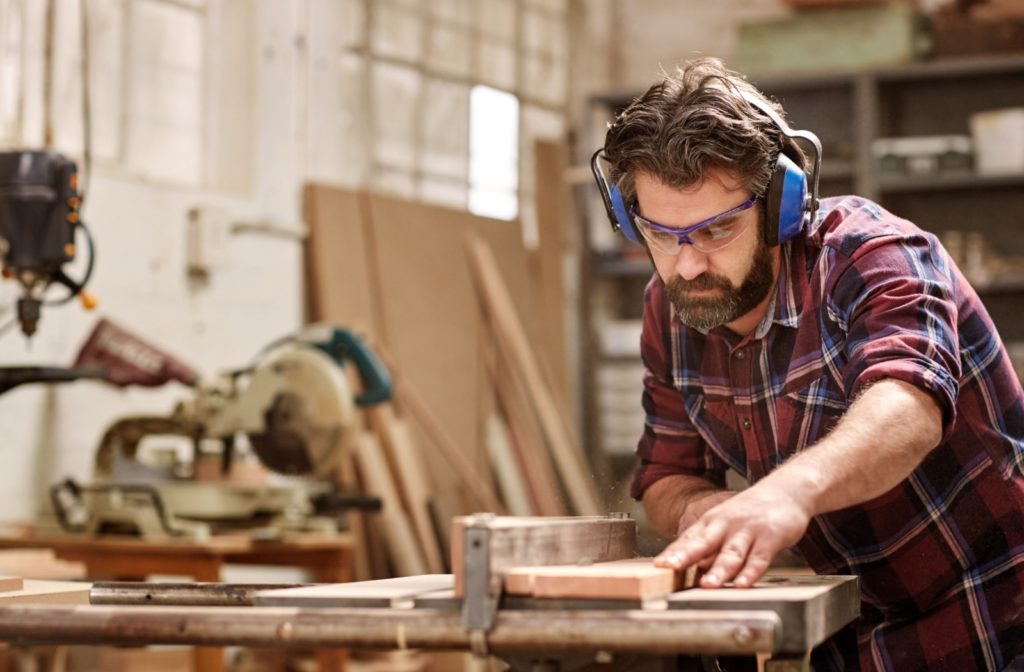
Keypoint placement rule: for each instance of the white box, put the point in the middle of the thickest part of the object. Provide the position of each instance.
(999, 141)
(621, 337)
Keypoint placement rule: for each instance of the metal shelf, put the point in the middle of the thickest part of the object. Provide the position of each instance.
(624, 268)
(892, 184)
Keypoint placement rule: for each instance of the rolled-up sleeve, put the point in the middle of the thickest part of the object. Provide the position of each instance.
(670, 444)
(895, 300)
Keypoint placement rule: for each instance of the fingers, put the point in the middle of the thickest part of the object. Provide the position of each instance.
(730, 559)
(739, 557)
(696, 544)
(758, 560)
(741, 560)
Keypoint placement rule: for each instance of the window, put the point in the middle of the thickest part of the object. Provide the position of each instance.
(493, 153)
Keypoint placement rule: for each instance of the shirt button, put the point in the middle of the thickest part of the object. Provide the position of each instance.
(739, 354)
(747, 424)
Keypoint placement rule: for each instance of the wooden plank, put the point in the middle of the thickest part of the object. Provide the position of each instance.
(507, 468)
(339, 268)
(440, 437)
(429, 306)
(48, 592)
(410, 478)
(553, 219)
(383, 593)
(568, 457)
(538, 541)
(632, 579)
(528, 442)
(405, 555)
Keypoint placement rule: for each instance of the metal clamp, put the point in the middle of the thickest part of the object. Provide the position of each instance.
(482, 590)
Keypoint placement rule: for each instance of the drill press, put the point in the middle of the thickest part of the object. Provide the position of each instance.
(40, 205)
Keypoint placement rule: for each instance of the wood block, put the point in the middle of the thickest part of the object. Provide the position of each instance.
(541, 541)
(633, 579)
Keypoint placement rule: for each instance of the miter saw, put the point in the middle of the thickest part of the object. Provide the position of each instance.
(293, 410)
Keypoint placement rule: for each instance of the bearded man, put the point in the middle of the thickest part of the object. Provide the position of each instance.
(832, 354)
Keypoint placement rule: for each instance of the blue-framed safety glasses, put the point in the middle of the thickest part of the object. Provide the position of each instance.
(709, 235)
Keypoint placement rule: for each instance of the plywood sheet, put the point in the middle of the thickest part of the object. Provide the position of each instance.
(430, 308)
(339, 265)
(515, 348)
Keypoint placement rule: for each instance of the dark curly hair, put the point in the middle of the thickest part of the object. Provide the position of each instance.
(691, 121)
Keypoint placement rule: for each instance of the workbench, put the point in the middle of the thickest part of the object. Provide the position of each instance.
(328, 558)
(783, 615)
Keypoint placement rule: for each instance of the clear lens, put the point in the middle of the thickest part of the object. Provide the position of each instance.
(712, 237)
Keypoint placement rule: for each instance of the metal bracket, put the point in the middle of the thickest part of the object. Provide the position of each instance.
(482, 591)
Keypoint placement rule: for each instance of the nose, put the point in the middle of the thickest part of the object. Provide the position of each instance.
(690, 262)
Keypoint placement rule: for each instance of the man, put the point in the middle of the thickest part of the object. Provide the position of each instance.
(838, 360)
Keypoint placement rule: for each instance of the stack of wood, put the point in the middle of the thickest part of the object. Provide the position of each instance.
(470, 326)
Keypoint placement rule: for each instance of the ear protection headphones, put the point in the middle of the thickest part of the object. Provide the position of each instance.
(790, 202)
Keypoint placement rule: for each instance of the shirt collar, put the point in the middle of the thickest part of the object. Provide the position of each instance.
(784, 308)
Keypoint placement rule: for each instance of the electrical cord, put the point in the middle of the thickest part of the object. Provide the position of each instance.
(88, 270)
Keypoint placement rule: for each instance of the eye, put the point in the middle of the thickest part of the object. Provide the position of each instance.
(717, 231)
(662, 237)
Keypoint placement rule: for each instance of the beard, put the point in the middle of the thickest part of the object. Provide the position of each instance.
(729, 303)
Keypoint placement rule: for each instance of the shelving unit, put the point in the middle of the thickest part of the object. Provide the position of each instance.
(848, 111)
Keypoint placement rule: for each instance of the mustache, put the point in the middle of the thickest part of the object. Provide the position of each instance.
(702, 282)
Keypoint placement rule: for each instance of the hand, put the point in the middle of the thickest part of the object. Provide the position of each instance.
(697, 508)
(737, 537)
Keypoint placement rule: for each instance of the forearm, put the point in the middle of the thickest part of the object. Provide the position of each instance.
(882, 438)
(672, 497)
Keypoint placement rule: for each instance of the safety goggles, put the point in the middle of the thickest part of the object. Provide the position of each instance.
(709, 235)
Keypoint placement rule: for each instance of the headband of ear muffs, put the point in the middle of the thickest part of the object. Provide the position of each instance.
(614, 204)
(791, 201)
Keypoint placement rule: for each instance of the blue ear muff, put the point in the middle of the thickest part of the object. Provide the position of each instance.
(785, 202)
(614, 204)
(622, 217)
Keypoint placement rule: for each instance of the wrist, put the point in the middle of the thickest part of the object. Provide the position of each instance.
(801, 484)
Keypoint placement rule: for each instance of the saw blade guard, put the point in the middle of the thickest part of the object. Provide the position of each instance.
(297, 408)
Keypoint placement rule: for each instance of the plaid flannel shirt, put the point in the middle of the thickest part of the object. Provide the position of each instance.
(865, 296)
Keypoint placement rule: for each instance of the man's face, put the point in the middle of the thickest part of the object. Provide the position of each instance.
(709, 289)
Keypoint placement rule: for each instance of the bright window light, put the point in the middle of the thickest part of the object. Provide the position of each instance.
(493, 153)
